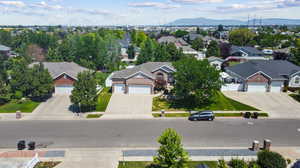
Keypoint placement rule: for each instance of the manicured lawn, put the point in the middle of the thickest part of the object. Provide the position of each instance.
(171, 115)
(103, 100)
(26, 107)
(90, 116)
(221, 103)
(296, 97)
(46, 164)
(232, 63)
(211, 164)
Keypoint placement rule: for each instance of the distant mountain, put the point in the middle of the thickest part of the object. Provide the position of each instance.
(205, 21)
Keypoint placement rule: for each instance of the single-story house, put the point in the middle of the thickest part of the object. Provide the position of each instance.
(244, 53)
(5, 50)
(262, 76)
(141, 79)
(216, 62)
(64, 75)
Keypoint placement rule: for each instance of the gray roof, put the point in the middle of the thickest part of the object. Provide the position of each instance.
(167, 39)
(251, 51)
(126, 41)
(211, 59)
(146, 68)
(58, 68)
(4, 48)
(276, 69)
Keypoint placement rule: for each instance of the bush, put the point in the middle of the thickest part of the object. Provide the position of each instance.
(222, 164)
(267, 159)
(18, 95)
(253, 164)
(237, 163)
(247, 115)
(289, 161)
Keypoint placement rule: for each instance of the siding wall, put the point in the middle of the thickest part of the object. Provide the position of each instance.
(64, 81)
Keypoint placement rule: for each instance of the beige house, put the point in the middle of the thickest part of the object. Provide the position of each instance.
(142, 79)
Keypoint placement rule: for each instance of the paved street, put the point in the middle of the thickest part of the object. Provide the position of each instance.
(129, 106)
(278, 105)
(144, 133)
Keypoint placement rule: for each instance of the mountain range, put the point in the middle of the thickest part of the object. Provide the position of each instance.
(205, 21)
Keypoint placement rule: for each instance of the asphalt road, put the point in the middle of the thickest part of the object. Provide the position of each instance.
(144, 133)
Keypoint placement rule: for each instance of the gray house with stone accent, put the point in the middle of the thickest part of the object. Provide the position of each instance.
(142, 78)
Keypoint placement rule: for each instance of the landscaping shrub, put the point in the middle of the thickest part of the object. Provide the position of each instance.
(267, 159)
(253, 164)
(247, 115)
(222, 164)
(289, 161)
(237, 163)
(255, 115)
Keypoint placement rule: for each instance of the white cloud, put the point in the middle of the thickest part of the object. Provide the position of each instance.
(197, 1)
(154, 5)
(13, 3)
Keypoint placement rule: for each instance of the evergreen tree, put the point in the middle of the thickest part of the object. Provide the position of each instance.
(147, 52)
(131, 52)
(198, 44)
(171, 153)
(84, 94)
(213, 49)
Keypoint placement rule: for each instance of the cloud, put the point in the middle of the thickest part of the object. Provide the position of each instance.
(46, 6)
(197, 1)
(13, 3)
(153, 5)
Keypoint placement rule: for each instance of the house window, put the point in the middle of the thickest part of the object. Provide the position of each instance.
(297, 80)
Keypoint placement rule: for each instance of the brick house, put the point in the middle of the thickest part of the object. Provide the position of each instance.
(64, 75)
(262, 76)
(142, 79)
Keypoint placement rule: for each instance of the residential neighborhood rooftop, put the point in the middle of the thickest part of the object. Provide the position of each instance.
(250, 51)
(4, 48)
(276, 69)
(146, 68)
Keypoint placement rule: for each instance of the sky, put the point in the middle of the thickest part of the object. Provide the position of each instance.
(139, 12)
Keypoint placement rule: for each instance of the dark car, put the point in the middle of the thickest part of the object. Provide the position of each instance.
(202, 166)
(204, 115)
(297, 164)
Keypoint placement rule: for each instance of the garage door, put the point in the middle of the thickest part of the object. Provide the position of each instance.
(119, 88)
(63, 90)
(257, 87)
(276, 87)
(139, 89)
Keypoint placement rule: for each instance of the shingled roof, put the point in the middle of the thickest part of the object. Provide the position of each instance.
(251, 51)
(146, 68)
(276, 69)
(4, 48)
(58, 68)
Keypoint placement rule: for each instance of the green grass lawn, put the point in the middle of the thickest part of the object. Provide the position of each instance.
(46, 164)
(26, 107)
(103, 100)
(221, 103)
(296, 97)
(90, 116)
(211, 164)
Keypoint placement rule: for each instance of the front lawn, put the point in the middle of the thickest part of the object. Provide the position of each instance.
(90, 116)
(211, 164)
(175, 115)
(46, 164)
(295, 97)
(221, 103)
(25, 107)
(103, 100)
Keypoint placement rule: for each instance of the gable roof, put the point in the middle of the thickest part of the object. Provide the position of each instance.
(275, 69)
(211, 59)
(146, 69)
(4, 48)
(251, 51)
(56, 69)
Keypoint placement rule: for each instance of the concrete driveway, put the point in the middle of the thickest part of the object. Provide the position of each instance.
(123, 106)
(278, 105)
(55, 108)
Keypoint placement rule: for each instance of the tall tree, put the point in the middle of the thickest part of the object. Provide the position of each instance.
(84, 94)
(241, 36)
(198, 44)
(213, 49)
(171, 153)
(131, 52)
(196, 82)
(147, 52)
(296, 56)
(20, 77)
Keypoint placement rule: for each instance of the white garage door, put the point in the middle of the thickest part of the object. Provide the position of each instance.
(276, 87)
(63, 90)
(257, 87)
(119, 88)
(139, 89)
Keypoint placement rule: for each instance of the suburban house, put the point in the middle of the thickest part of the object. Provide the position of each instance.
(64, 75)
(6, 51)
(216, 62)
(262, 76)
(243, 53)
(142, 79)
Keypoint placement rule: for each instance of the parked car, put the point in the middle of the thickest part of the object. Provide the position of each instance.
(204, 115)
(202, 166)
(297, 164)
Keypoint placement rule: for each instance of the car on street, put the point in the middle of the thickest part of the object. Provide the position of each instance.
(202, 166)
(297, 164)
(204, 115)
